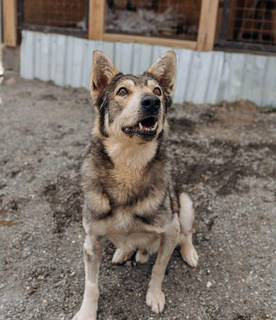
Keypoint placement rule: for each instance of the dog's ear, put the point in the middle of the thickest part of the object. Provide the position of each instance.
(164, 71)
(103, 72)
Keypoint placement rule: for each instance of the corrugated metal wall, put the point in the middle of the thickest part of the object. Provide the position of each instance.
(203, 77)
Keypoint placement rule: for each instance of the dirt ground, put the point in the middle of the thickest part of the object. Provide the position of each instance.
(225, 157)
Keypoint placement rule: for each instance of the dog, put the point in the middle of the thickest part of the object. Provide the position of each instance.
(129, 195)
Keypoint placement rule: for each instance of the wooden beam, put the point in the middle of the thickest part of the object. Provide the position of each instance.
(207, 25)
(10, 22)
(96, 19)
(150, 40)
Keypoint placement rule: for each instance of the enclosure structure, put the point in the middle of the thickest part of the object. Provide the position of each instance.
(173, 23)
(176, 23)
(198, 24)
(69, 17)
(248, 25)
(207, 34)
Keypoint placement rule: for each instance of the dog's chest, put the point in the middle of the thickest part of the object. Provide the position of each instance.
(126, 183)
(149, 214)
(135, 193)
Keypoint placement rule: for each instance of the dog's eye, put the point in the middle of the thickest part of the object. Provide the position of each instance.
(157, 91)
(122, 92)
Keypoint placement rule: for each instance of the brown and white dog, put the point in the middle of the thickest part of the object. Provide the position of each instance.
(129, 196)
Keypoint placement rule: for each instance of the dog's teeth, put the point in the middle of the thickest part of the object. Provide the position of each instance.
(140, 126)
(155, 126)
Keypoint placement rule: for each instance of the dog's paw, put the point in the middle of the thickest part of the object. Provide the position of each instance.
(141, 257)
(155, 299)
(120, 256)
(189, 255)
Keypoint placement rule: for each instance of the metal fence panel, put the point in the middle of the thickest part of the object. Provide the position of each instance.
(201, 77)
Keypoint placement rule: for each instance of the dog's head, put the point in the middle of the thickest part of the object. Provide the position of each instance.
(132, 107)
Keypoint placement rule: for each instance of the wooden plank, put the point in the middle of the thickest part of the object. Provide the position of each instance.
(207, 25)
(96, 19)
(10, 22)
(149, 40)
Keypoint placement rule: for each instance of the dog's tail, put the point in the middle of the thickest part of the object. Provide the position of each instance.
(186, 213)
(186, 217)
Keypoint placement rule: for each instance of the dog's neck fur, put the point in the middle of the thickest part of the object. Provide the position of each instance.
(134, 156)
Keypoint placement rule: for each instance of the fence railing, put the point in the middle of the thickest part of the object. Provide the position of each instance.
(192, 24)
(60, 16)
(248, 25)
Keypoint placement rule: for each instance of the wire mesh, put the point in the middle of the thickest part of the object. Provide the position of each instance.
(158, 18)
(70, 16)
(248, 24)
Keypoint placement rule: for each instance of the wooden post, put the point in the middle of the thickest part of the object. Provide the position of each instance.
(10, 22)
(96, 19)
(207, 25)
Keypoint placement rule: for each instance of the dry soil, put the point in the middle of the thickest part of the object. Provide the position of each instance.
(224, 156)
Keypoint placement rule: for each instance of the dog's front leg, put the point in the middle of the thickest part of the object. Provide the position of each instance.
(92, 260)
(155, 296)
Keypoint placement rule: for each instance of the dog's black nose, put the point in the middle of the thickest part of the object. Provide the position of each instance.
(150, 104)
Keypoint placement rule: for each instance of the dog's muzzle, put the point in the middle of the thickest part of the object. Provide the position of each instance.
(146, 127)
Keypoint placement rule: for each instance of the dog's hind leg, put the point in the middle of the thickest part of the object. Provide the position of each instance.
(142, 256)
(92, 260)
(186, 219)
(121, 255)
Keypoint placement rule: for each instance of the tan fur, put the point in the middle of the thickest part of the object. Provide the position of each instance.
(134, 157)
(129, 114)
(103, 72)
(165, 71)
(98, 201)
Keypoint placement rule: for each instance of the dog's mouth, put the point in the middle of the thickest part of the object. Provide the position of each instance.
(145, 128)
